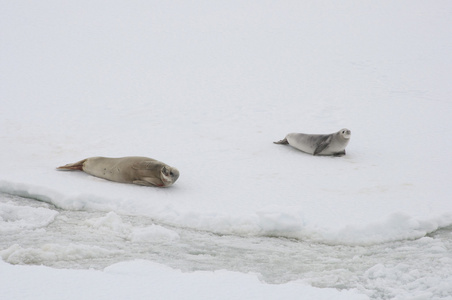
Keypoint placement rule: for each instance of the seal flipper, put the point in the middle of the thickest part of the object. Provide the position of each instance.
(282, 142)
(323, 145)
(73, 167)
(342, 153)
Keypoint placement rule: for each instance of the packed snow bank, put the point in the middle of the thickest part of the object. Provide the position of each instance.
(52, 252)
(113, 224)
(18, 218)
(273, 220)
(147, 280)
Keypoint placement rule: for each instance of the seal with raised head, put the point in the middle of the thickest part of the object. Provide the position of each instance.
(319, 144)
(132, 169)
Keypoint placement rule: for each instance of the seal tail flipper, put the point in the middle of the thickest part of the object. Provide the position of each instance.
(72, 167)
(282, 142)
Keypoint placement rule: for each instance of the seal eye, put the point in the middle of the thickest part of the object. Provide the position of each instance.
(171, 173)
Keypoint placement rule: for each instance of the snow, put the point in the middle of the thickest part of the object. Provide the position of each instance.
(15, 218)
(147, 280)
(206, 88)
(113, 224)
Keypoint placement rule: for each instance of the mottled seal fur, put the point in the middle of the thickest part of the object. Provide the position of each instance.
(131, 169)
(319, 144)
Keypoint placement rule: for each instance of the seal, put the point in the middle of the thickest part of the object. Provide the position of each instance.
(132, 169)
(319, 144)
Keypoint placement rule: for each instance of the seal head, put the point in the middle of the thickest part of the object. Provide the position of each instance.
(169, 175)
(345, 133)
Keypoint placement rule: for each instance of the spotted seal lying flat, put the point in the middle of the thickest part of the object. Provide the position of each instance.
(319, 144)
(132, 169)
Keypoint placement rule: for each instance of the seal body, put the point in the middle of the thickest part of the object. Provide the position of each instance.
(319, 144)
(132, 169)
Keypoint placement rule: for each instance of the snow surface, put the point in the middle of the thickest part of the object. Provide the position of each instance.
(207, 87)
(147, 280)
